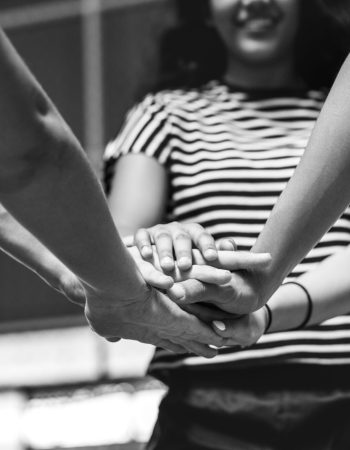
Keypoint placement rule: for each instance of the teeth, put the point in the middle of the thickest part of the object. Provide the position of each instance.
(249, 2)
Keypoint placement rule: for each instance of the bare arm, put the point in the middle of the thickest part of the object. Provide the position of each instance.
(317, 193)
(139, 193)
(329, 288)
(47, 183)
(21, 245)
(49, 187)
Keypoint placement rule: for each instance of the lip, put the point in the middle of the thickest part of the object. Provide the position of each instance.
(259, 25)
(257, 18)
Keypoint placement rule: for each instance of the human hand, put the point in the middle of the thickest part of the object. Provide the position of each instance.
(70, 287)
(152, 319)
(153, 274)
(242, 294)
(243, 330)
(175, 237)
(61, 279)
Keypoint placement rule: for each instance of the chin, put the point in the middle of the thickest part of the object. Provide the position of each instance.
(259, 52)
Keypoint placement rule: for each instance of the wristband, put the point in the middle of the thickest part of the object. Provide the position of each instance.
(309, 304)
(269, 318)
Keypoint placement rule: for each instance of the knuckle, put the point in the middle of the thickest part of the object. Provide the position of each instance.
(180, 236)
(195, 288)
(194, 228)
(141, 233)
(175, 223)
(205, 237)
(163, 236)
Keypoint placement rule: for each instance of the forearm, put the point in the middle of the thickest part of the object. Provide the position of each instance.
(21, 245)
(329, 289)
(317, 193)
(47, 184)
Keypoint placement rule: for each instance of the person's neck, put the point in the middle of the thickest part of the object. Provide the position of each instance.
(262, 76)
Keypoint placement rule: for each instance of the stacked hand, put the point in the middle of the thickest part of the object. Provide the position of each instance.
(153, 318)
(188, 304)
(232, 307)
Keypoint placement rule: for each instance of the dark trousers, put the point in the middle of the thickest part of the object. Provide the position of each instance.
(253, 416)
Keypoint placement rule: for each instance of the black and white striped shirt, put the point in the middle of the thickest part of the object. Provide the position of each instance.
(229, 155)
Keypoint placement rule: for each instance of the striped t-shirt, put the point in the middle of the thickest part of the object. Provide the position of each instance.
(229, 154)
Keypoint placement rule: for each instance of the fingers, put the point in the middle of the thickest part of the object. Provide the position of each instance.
(143, 242)
(187, 292)
(189, 347)
(227, 244)
(208, 274)
(128, 241)
(194, 291)
(196, 331)
(202, 350)
(169, 238)
(207, 313)
(164, 245)
(244, 260)
(245, 330)
(154, 277)
(203, 240)
(180, 239)
(175, 348)
(236, 260)
(183, 249)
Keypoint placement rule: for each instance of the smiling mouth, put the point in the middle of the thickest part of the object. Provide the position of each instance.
(258, 16)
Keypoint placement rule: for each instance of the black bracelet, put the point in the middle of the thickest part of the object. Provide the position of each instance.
(309, 304)
(269, 318)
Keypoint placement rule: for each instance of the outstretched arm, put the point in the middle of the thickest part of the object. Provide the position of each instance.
(328, 286)
(317, 193)
(20, 244)
(49, 187)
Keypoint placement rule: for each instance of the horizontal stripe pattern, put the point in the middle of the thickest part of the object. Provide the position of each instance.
(230, 155)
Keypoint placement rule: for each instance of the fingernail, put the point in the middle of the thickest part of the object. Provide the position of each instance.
(210, 254)
(170, 281)
(167, 261)
(227, 275)
(185, 262)
(178, 291)
(146, 251)
(219, 325)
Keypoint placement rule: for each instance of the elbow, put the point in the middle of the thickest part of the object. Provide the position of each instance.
(42, 146)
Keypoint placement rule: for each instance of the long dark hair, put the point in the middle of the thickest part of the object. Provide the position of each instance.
(193, 53)
(338, 10)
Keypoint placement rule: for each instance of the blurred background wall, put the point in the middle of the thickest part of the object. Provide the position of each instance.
(94, 58)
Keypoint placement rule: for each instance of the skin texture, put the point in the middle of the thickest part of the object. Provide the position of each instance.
(268, 49)
(138, 197)
(259, 60)
(48, 186)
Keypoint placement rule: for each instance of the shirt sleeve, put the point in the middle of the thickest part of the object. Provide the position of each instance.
(146, 130)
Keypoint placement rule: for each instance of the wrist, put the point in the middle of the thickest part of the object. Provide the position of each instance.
(112, 297)
(309, 303)
(289, 308)
(267, 318)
